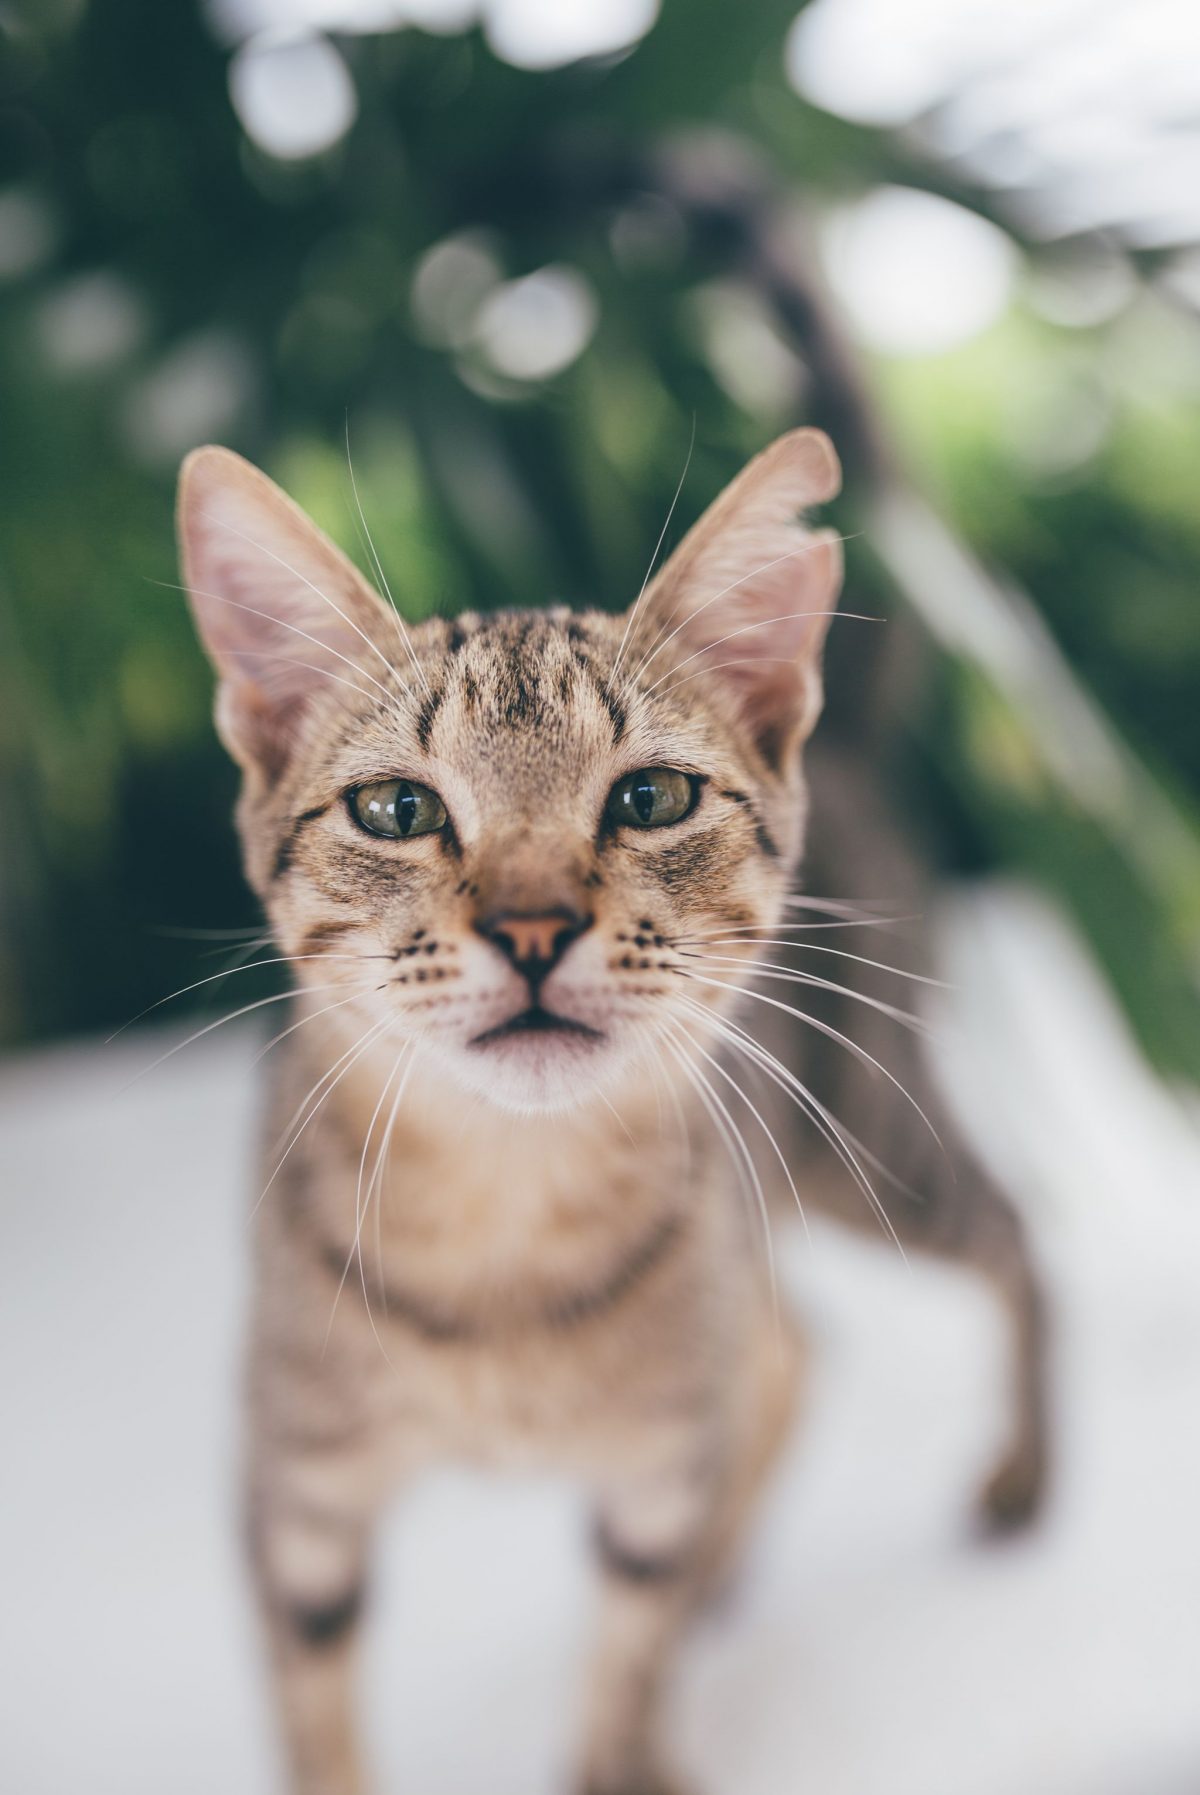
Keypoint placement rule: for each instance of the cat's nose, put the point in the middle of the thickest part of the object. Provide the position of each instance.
(534, 941)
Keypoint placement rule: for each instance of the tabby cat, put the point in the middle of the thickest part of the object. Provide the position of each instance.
(527, 868)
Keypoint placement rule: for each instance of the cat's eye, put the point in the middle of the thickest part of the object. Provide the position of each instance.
(651, 798)
(397, 808)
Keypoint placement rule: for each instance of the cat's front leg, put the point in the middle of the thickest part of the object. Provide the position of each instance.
(311, 1514)
(666, 1537)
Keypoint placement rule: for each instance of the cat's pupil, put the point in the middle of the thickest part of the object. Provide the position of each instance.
(404, 807)
(644, 797)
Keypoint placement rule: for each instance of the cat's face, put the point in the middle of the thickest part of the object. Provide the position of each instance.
(503, 839)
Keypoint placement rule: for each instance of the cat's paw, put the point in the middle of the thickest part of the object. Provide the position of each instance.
(1013, 1496)
(654, 1783)
(652, 1780)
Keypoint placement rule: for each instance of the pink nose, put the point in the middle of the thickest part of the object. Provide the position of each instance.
(535, 943)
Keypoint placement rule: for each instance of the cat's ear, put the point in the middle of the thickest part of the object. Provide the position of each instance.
(747, 596)
(278, 607)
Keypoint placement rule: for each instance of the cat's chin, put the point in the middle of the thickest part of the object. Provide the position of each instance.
(536, 1070)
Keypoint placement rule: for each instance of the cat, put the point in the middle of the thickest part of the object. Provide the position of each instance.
(522, 865)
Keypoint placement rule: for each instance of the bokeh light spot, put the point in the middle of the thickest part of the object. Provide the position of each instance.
(545, 34)
(293, 94)
(917, 274)
(535, 327)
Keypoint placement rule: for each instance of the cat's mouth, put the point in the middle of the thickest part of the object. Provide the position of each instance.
(535, 1021)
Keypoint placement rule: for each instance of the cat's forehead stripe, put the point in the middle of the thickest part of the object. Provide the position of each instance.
(519, 669)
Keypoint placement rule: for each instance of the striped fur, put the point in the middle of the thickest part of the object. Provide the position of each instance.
(523, 1247)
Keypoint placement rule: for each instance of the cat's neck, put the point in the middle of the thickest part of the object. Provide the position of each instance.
(458, 1190)
(399, 1101)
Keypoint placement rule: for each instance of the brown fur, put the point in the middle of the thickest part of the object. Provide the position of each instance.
(531, 1249)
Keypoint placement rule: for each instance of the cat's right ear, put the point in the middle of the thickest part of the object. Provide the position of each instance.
(279, 609)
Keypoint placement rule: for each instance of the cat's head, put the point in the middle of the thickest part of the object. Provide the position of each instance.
(504, 838)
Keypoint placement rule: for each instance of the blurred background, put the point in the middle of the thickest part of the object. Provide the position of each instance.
(522, 248)
(518, 254)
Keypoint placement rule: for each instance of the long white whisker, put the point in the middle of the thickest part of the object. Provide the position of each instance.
(633, 609)
(742, 660)
(651, 1039)
(766, 969)
(745, 629)
(800, 900)
(728, 1129)
(849, 922)
(661, 638)
(249, 946)
(359, 1211)
(312, 1016)
(178, 934)
(805, 548)
(724, 1073)
(261, 1003)
(282, 623)
(824, 1028)
(845, 1145)
(285, 660)
(371, 1029)
(405, 638)
(810, 947)
(377, 1180)
(331, 1079)
(229, 972)
(315, 590)
(617, 1118)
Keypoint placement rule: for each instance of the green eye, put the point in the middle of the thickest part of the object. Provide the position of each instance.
(397, 808)
(651, 798)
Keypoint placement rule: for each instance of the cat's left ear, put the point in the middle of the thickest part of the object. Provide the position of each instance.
(747, 596)
(280, 610)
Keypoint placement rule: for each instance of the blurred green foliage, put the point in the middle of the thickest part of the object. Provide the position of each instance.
(185, 284)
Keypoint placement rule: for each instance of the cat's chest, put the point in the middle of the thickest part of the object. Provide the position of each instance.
(463, 1211)
(467, 1244)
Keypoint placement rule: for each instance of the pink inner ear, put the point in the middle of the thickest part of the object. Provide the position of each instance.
(261, 622)
(282, 613)
(746, 598)
(758, 624)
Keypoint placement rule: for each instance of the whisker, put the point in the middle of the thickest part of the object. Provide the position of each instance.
(376, 1179)
(294, 628)
(729, 1131)
(247, 947)
(805, 548)
(811, 947)
(800, 900)
(844, 1144)
(380, 1174)
(742, 660)
(356, 1243)
(312, 1015)
(283, 660)
(278, 960)
(259, 1004)
(178, 934)
(651, 1041)
(346, 1061)
(618, 1119)
(724, 1072)
(405, 638)
(834, 1034)
(279, 561)
(850, 922)
(766, 969)
(744, 630)
(633, 610)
